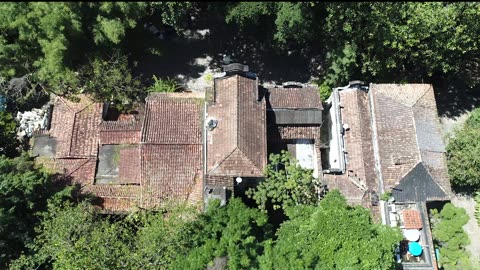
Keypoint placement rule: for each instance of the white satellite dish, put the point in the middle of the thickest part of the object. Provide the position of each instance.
(238, 180)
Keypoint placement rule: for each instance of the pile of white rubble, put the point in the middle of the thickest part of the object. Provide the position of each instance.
(31, 121)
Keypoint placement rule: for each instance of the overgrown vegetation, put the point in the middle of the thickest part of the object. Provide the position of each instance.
(462, 154)
(25, 193)
(448, 233)
(163, 85)
(286, 184)
(332, 235)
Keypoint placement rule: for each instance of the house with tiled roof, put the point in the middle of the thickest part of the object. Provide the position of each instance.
(386, 138)
(180, 146)
(190, 147)
(136, 160)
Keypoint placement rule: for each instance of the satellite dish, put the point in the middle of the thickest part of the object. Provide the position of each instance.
(238, 180)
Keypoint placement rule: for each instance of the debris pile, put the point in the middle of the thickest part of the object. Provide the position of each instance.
(31, 121)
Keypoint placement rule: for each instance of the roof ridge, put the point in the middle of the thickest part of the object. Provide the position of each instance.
(65, 103)
(145, 121)
(223, 160)
(426, 91)
(81, 165)
(409, 170)
(71, 134)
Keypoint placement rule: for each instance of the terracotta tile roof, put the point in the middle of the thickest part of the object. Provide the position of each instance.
(167, 165)
(76, 127)
(129, 166)
(170, 171)
(294, 98)
(355, 113)
(79, 170)
(173, 118)
(237, 146)
(114, 191)
(412, 219)
(407, 125)
(352, 193)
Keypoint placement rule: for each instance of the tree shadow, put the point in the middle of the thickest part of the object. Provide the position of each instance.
(454, 97)
(176, 55)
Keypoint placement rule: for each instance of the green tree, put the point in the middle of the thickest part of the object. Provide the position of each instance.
(332, 235)
(74, 237)
(162, 237)
(234, 231)
(291, 21)
(24, 194)
(8, 131)
(286, 184)
(50, 40)
(172, 13)
(448, 233)
(112, 80)
(405, 40)
(462, 154)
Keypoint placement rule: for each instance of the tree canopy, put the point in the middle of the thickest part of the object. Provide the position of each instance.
(8, 131)
(332, 235)
(25, 192)
(286, 184)
(447, 231)
(462, 154)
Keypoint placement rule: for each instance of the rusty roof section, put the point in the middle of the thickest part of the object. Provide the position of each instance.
(173, 118)
(294, 98)
(237, 146)
(408, 132)
(75, 124)
(412, 219)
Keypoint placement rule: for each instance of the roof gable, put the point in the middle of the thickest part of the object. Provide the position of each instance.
(236, 164)
(241, 128)
(418, 185)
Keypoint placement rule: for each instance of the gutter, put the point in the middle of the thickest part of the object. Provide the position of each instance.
(376, 154)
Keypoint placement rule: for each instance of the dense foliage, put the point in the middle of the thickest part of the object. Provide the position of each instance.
(77, 237)
(448, 233)
(66, 47)
(24, 194)
(8, 142)
(462, 154)
(332, 235)
(403, 41)
(286, 184)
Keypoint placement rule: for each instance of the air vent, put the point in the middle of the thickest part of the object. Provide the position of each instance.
(356, 84)
(235, 68)
(292, 85)
(211, 123)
